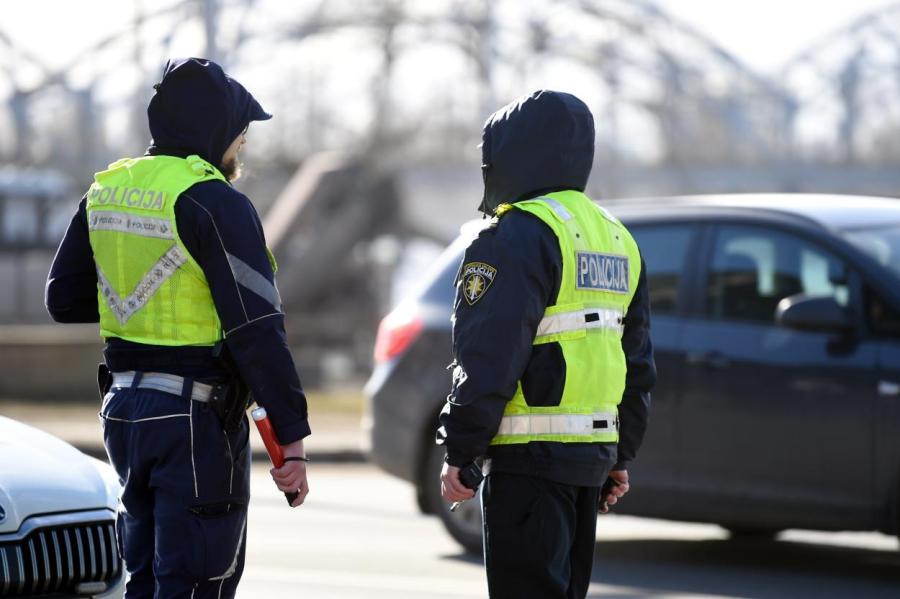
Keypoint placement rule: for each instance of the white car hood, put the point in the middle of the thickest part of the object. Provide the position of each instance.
(41, 474)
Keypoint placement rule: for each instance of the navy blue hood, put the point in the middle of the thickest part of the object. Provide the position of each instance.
(539, 143)
(198, 109)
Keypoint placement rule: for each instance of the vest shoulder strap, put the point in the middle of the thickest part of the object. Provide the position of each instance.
(556, 209)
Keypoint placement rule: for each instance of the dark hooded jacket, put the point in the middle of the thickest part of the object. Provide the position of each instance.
(198, 109)
(541, 143)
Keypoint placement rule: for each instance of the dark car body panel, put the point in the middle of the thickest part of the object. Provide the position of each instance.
(402, 429)
(752, 424)
(406, 392)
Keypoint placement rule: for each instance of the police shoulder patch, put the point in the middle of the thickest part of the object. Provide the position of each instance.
(476, 278)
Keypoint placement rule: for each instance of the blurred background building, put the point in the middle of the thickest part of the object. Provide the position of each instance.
(371, 164)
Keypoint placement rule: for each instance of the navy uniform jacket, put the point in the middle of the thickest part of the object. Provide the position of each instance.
(221, 229)
(492, 346)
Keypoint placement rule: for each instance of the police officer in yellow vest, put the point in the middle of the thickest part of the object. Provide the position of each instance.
(172, 262)
(552, 357)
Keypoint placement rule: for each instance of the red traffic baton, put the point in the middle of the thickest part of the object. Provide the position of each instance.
(273, 448)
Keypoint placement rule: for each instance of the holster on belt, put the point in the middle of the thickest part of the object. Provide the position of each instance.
(104, 380)
(229, 400)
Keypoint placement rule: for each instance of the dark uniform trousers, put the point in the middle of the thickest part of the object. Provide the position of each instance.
(181, 525)
(539, 537)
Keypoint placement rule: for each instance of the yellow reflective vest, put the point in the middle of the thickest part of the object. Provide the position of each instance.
(601, 265)
(150, 289)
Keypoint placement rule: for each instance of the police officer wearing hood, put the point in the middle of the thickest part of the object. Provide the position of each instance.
(552, 357)
(172, 262)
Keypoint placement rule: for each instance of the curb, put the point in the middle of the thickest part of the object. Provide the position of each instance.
(333, 456)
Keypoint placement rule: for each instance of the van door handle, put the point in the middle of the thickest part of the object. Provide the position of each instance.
(712, 360)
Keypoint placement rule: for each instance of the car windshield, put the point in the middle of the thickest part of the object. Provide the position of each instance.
(882, 243)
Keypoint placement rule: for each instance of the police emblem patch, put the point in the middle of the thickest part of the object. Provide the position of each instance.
(476, 279)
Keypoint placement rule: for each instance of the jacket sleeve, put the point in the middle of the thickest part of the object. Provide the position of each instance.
(634, 410)
(222, 231)
(493, 333)
(71, 291)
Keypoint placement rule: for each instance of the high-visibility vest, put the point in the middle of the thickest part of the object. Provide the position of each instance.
(150, 289)
(601, 265)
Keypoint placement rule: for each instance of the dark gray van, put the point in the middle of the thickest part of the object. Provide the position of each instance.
(776, 326)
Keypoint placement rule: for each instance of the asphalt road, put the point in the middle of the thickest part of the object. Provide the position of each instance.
(360, 535)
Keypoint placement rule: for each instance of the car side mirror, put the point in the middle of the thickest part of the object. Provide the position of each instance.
(815, 314)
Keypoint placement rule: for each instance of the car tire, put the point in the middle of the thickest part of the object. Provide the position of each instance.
(464, 525)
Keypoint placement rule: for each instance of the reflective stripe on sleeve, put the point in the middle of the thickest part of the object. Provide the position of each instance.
(253, 280)
(123, 222)
(558, 424)
(588, 318)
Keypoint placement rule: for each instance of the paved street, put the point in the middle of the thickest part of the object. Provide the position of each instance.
(360, 536)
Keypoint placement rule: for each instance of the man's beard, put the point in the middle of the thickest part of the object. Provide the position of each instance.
(231, 169)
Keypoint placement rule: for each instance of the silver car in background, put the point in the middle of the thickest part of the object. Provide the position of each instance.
(57, 518)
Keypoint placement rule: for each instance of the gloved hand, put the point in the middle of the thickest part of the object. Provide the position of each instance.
(292, 475)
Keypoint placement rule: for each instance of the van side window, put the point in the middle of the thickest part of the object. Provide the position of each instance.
(754, 268)
(664, 248)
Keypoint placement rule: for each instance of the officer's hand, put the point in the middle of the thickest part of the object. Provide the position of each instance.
(616, 491)
(292, 476)
(452, 488)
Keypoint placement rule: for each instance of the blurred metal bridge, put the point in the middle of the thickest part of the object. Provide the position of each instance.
(404, 80)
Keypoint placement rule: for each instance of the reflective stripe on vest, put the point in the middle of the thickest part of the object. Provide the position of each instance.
(558, 424)
(559, 209)
(578, 320)
(124, 308)
(159, 273)
(122, 222)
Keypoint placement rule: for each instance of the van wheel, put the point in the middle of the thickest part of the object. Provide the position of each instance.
(751, 533)
(464, 525)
